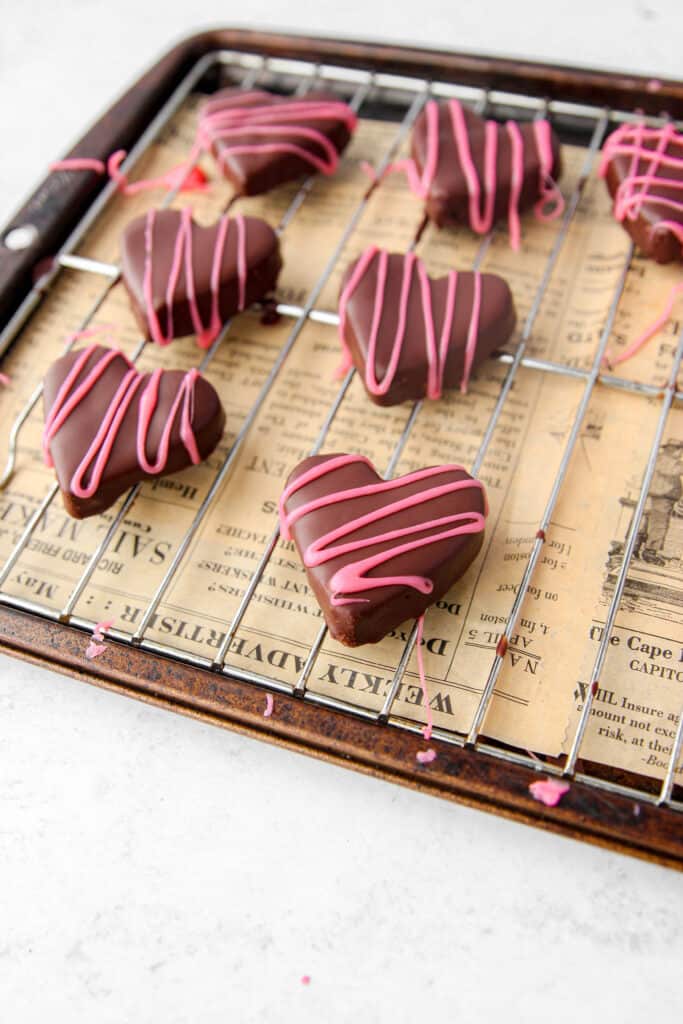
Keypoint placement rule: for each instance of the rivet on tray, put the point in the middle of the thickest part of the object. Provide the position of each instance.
(21, 237)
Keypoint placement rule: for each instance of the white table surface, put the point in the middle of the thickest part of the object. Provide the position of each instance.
(154, 869)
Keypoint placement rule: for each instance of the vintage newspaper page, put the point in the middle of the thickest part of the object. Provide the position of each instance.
(548, 665)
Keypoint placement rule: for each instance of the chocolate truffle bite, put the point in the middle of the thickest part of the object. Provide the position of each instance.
(379, 552)
(108, 426)
(643, 168)
(183, 278)
(261, 140)
(476, 172)
(409, 335)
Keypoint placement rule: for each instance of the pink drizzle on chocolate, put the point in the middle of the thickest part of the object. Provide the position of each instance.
(436, 351)
(352, 578)
(656, 157)
(482, 193)
(182, 259)
(71, 393)
(225, 121)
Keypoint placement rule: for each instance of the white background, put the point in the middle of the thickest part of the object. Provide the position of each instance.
(153, 869)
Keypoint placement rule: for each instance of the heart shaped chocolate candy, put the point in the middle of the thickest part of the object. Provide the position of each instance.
(183, 278)
(379, 552)
(261, 140)
(107, 426)
(643, 168)
(478, 172)
(409, 335)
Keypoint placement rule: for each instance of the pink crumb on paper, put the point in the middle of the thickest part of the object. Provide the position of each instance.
(269, 706)
(5, 380)
(94, 650)
(426, 756)
(548, 791)
(305, 979)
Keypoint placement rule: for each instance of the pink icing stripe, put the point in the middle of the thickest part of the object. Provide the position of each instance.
(353, 578)
(147, 407)
(427, 731)
(446, 333)
(356, 277)
(481, 220)
(517, 148)
(630, 140)
(186, 178)
(88, 332)
(63, 405)
(269, 706)
(473, 334)
(654, 328)
(436, 354)
(426, 756)
(223, 121)
(78, 163)
(380, 388)
(71, 394)
(420, 184)
(550, 194)
(182, 259)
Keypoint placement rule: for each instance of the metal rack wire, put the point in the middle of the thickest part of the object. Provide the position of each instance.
(412, 94)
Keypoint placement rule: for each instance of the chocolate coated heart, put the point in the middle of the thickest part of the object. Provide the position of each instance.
(183, 278)
(644, 172)
(409, 335)
(478, 172)
(108, 426)
(261, 140)
(377, 552)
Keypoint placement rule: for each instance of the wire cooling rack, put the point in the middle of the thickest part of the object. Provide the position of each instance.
(399, 98)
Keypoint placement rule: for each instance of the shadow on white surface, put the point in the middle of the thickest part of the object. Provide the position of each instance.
(158, 869)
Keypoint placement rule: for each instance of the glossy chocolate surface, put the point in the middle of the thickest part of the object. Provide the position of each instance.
(263, 264)
(495, 325)
(257, 172)
(449, 196)
(383, 608)
(70, 444)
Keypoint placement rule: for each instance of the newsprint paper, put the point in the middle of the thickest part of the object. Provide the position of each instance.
(547, 667)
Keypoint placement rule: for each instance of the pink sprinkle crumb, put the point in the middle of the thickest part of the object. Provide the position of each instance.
(5, 380)
(636, 810)
(548, 791)
(305, 979)
(368, 169)
(94, 650)
(269, 706)
(426, 756)
(101, 628)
